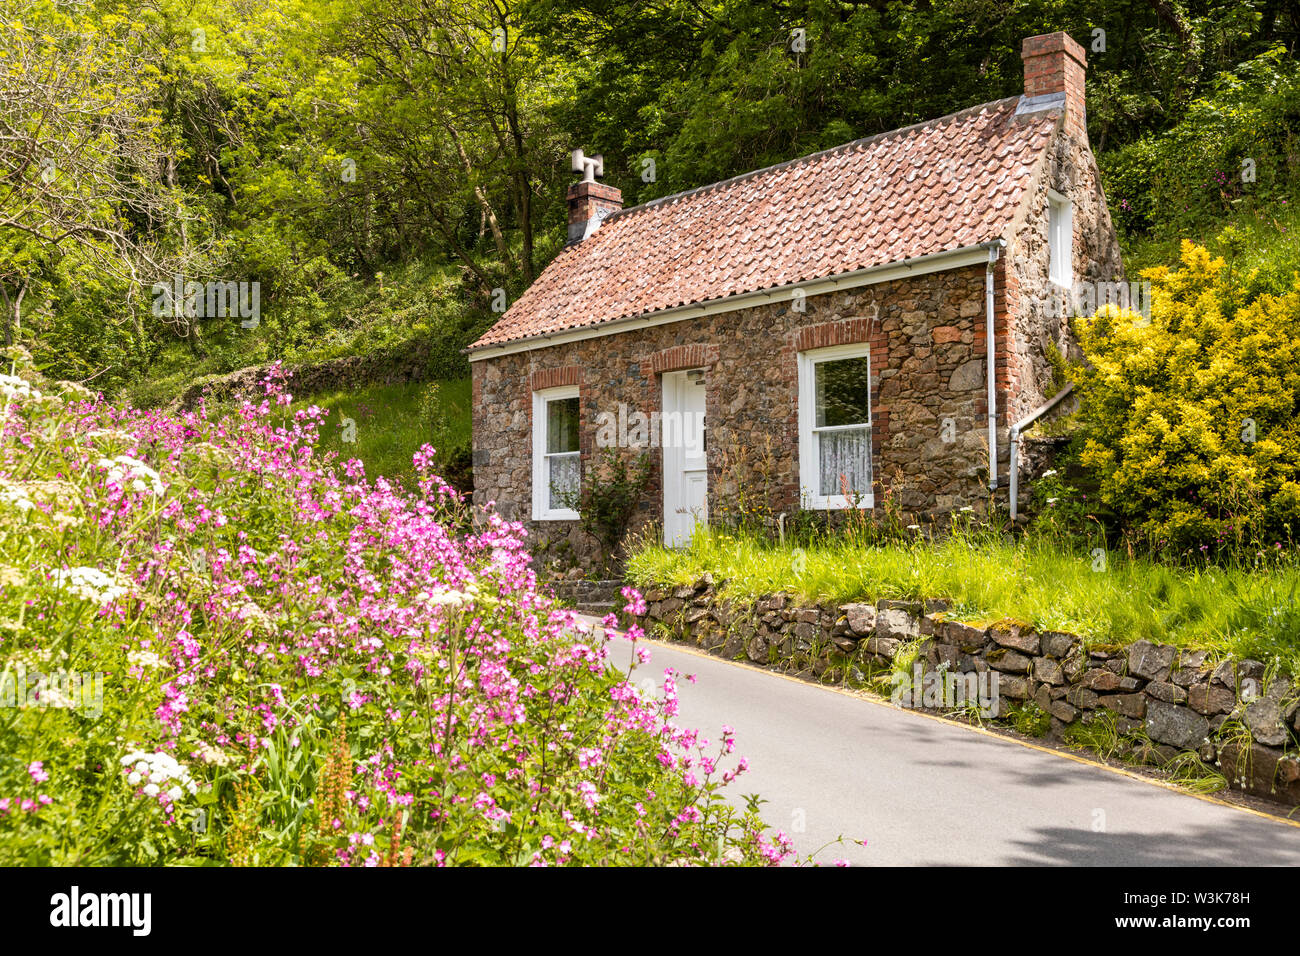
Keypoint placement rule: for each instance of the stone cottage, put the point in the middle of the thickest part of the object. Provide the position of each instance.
(816, 334)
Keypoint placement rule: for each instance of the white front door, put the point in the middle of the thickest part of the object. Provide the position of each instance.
(686, 475)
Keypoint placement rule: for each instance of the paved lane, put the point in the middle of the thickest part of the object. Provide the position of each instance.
(925, 792)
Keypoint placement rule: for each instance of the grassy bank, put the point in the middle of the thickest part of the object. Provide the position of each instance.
(408, 307)
(1262, 243)
(391, 422)
(1246, 612)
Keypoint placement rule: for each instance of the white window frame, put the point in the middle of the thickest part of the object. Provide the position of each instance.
(1060, 239)
(809, 456)
(541, 473)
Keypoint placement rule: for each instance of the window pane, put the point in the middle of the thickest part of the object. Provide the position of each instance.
(562, 425)
(845, 454)
(843, 392)
(564, 473)
(1054, 238)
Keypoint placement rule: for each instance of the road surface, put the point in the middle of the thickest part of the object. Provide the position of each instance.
(927, 792)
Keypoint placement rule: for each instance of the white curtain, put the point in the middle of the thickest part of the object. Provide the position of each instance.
(845, 452)
(565, 470)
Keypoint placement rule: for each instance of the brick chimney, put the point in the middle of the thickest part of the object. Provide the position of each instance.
(1055, 66)
(589, 203)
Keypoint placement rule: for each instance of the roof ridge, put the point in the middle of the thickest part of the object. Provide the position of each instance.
(862, 141)
(858, 205)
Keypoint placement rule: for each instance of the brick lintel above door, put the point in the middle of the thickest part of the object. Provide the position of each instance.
(682, 357)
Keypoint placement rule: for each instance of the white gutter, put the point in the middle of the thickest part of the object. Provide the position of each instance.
(1019, 427)
(990, 364)
(886, 272)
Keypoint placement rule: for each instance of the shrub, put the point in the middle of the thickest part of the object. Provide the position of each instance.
(611, 492)
(1061, 513)
(1235, 147)
(1190, 418)
(297, 665)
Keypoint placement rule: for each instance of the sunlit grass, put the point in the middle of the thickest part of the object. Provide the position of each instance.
(1251, 613)
(392, 422)
(1269, 242)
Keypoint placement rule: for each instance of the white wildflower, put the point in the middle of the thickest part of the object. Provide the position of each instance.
(91, 584)
(145, 659)
(1049, 473)
(114, 433)
(13, 387)
(16, 495)
(124, 468)
(52, 695)
(446, 597)
(77, 391)
(249, 611)
(211, 755)
(161, 772)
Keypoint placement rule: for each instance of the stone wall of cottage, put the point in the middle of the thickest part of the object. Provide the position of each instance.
(1037, 319)
(927, 345)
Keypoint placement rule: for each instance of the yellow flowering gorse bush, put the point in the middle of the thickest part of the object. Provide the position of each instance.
(1190, 416)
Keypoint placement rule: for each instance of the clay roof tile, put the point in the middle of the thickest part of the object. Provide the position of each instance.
(952, 182)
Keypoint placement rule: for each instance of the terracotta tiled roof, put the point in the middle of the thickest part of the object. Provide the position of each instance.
(948, 183)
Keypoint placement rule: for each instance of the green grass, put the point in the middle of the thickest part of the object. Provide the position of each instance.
(1250, 613)
(393, 421)
(1262, 240)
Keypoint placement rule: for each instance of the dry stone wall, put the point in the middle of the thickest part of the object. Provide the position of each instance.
(1227, 712)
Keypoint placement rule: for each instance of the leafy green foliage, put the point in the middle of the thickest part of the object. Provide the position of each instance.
(611, 490)
(1234, 149)
(381, 167)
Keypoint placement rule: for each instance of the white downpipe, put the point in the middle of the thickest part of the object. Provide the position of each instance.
(990, 365)
(1017, 429)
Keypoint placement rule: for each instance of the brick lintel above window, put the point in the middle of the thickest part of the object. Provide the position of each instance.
(843, 332)
(554, 377)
